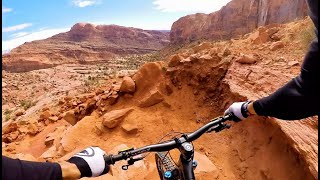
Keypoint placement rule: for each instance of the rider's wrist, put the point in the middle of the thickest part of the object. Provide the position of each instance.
(251, 109)
(245, 109)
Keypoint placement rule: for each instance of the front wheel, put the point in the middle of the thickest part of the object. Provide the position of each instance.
(166, 168)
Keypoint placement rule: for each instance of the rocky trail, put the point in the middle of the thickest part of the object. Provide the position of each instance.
(70, 111)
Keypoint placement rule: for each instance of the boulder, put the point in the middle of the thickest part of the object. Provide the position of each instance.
(45, 115)
(113, 98)
(246, 59)
(148, 77)
(70, 117)
(260, 36)
(33, 129)
(20, 112)
(276, 45)
(154, 97)
(130, 128)
(226, 51)
(128, 85)
(113, 118)
(276, 37)
(9, 127)
(272, 31)
(175, 60)
(49, 140)
(8, 138)
(53, 118)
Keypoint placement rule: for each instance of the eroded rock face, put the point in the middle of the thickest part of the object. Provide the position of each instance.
(236, 18)
(84, 43)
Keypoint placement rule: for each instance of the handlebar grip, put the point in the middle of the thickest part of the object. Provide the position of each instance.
(108, 159)
(111, 159)
(232, 117)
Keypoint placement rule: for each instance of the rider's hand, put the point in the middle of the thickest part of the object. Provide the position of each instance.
(90, 162)
(239, 109)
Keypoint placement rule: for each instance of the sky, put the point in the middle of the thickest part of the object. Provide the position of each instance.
(28, 20)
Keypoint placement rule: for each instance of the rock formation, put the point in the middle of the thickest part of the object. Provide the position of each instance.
(236, 18)
(84, 43)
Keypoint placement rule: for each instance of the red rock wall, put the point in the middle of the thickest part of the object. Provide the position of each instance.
(236, 18)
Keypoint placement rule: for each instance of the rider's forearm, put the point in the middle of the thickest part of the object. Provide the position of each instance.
(20, 169)
(290, 102)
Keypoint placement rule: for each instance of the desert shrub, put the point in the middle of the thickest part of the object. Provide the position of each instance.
(306, 35)
(26, 104)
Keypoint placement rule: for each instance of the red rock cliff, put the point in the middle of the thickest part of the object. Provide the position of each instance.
(236, 18)
(82, 44)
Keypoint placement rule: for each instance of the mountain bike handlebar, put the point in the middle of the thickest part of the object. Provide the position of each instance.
(215, 124)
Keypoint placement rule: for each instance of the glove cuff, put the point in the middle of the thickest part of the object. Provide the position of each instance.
(244, 109)
(82, 165)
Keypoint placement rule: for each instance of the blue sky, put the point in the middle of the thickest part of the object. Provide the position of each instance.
(28, 20)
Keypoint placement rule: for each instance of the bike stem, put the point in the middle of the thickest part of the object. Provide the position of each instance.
(186, 160)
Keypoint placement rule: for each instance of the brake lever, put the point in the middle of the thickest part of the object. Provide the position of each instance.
(130, 162)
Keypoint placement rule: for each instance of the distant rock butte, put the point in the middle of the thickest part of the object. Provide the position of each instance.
(236, 18)
(84, 43)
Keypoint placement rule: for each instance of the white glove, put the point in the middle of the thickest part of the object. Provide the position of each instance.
(238, 109)
(90, 162)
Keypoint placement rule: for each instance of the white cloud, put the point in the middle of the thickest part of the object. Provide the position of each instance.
(5, 10)
(8, 45)
(19, 34)
(203, 6)
(16, 27)
(84, 3)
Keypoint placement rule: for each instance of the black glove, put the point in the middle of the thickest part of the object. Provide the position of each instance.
(90, 162)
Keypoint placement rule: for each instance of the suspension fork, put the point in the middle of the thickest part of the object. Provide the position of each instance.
(186, 161)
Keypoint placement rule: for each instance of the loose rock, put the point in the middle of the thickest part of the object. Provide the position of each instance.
(130, 128)
(246, 59)
(113, 118)
(276, 45)
(70, 117)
